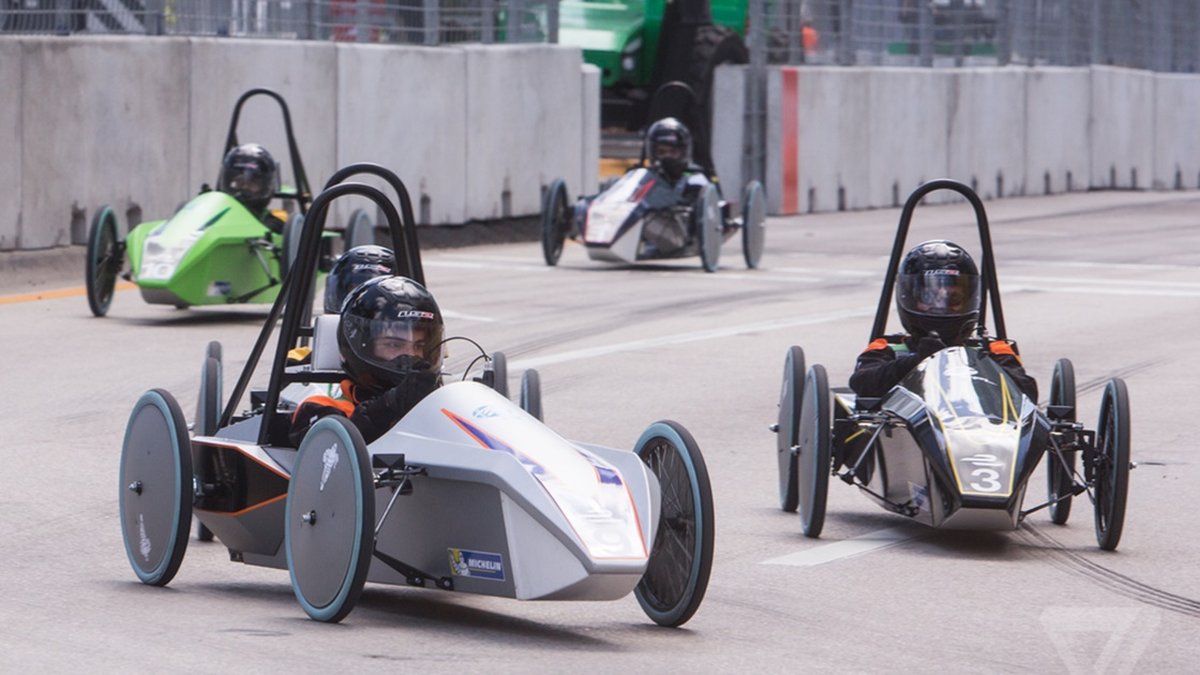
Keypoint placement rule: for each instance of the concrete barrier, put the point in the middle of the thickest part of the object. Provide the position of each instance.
(729, 127)
(140, 123)
(589, 160)
(1176, 132)
(11, 146)
(394, 108)
(907, 130)
(986, 119)
(1057, 142)
(834, 153)
(519, 138)
(1122, 128)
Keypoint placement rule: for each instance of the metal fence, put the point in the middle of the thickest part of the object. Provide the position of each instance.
(425, 22)
(1157, 35)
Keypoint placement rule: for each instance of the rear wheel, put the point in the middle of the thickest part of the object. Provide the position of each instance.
(208, 408)
(1111, 464)
(815, 461)
(1060, 473)
(156, 487)
(676, 576)
(360, 231)
(788, 427)
(499, 376)
(556, 221)
(330, 519)
(105, 256)
(754, 216)
(706, 221)
(531, 393)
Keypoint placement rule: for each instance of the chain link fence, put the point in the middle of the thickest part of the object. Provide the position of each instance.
(1157, 35)
(423, 22)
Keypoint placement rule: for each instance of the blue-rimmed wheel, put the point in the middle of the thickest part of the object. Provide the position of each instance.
(815, 461)
(329, 531)
(156, 487)
(531, 393)
(676, 576)
(788, 427)
(208, 407)
(556, 221)
(1060, 472)
(1110, 464)
(105, 256)
(754, 219)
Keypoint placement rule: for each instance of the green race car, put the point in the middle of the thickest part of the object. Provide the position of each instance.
(213, 250)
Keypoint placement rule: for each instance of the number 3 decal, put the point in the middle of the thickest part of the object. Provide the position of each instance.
(987, 480)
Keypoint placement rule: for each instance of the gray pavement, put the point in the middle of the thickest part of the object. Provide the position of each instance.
(1111, 280)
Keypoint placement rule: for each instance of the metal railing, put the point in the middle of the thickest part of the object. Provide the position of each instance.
(424, 22)
(1157, 35)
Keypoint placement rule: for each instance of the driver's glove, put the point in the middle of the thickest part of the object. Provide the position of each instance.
(929, 345)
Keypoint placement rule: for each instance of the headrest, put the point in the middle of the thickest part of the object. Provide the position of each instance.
(325, 352)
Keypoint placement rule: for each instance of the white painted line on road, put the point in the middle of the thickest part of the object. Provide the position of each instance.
(681, 338)
(1101, 265)
(451, 314)
(866, 543)
(1125, 284)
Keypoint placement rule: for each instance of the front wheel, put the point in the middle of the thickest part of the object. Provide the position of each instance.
(1110, 470)
(754, 217)
(105, 256)
(788, 427)
(815, 461)
(330, 519)
(1060, 473)
(498, 379)
(531, 393)
(707, 223)
(676, 576)
(556, 221)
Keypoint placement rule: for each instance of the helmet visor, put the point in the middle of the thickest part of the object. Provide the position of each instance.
(394, 344)
(940, 292)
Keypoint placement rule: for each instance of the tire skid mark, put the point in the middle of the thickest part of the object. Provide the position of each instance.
(1053, 550)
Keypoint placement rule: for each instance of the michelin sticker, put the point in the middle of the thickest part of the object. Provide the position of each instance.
(330, 459)
(476, 564)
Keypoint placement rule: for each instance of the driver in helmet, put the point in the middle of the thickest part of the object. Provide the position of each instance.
(669, 147)
(250, 175)
(390, 338)
(938, 298)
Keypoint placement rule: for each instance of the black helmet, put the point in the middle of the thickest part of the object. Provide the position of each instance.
(250, 174)
(938, 291)
(353, 268)
(390, 327)
(669, 145)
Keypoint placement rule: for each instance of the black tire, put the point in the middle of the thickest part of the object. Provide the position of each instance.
(754, 217)
(676, 576)
(292, 230)
(105, 257)
(208, 408)
(156, 487)
(788, 428)
(531, 393)
(712, 46)
(1060, 477)
(708, 226)
(360, 231)
(499, 373)
(330, 522)
(556, 221)
(1111, 464)
(815, 461)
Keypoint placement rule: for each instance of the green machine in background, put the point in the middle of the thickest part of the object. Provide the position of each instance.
(212, 250)
(640, 45)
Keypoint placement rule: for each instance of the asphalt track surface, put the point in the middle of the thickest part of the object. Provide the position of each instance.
(1111, 280)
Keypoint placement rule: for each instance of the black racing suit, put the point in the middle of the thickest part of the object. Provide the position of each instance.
(371, 410)
(886, 361)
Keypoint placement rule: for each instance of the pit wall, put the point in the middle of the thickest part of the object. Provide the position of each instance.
(475, 132)
(855, 138)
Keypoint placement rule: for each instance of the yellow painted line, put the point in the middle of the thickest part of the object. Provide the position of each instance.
(57, 293)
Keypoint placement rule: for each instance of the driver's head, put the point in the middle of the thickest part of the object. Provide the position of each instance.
(352, 269)
(669, 146)
(250, 174)
(937, 291)
(390, 326)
